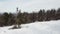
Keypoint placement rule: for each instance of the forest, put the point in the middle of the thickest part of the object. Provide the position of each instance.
(7, 19)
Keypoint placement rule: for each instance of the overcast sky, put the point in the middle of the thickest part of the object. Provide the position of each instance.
(28, 5)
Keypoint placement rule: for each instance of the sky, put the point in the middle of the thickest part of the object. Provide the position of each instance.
(28, 5)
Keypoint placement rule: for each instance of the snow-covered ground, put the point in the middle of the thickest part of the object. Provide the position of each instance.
(48, 27)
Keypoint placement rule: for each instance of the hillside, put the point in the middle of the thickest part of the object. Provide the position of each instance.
(47, 27)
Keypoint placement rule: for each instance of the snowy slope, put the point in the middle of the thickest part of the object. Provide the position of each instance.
(48, 27)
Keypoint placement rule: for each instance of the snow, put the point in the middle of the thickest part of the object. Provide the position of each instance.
(47, 27)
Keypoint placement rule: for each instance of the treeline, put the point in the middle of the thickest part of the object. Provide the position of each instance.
(7, 19)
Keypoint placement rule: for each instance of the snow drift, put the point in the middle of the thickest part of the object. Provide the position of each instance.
(47, 27)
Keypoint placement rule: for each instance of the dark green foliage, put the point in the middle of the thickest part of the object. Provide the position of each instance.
(23, 18)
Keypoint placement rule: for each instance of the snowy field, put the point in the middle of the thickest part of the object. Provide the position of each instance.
(48, 27)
